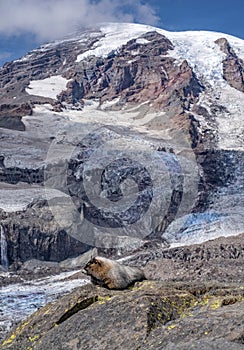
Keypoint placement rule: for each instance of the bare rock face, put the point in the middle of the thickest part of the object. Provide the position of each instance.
(134, 76)
(33, 233)
(11, 114)
(233, 66)
(11, 122)
(39, 64)
(152, 315)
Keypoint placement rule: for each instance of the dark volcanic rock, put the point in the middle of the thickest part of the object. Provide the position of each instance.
(233, 66)
(14, 175)
(11, 115)
(33, 233)
(150, 75)
(10, 122)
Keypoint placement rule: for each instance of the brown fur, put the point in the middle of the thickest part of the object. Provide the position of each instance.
(111, 274)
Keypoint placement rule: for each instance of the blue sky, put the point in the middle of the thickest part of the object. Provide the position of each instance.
(25, 24)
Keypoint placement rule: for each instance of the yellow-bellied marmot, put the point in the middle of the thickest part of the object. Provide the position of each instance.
(111, 274)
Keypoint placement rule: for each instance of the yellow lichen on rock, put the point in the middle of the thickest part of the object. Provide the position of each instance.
(9, 340)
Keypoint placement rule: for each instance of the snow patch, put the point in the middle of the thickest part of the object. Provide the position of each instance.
(131, 61)
(142, 41)
(108, 104)
(116, 35)
(197, 47)
(49, 87)
(133, 117)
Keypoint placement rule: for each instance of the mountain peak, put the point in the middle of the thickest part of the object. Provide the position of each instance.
(177, 96)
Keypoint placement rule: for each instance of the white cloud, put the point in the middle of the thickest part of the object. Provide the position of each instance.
(50, 19)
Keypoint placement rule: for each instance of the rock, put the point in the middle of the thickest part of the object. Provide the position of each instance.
(220, 260)
(118, 245)
(26, 238)
(14, 175)
(138, 81)
(11, 115)
(34, 266)
(78, 262)
(196, 300)
(13, 123)
(150, 315)
(233, 66)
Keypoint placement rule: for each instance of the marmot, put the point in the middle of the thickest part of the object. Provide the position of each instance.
(111, 274)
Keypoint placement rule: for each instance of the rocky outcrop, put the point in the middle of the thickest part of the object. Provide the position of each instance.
(220, 260)
(233, 66)
(41, 63)
(10, 115)
(15, 110)
(14, 175)
(13, 123)
(193, 297)
(137, 72)
(151, 314)
(33, 233)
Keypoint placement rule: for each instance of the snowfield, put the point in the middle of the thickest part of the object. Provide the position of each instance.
(50, 87)
(205, 58)
(200, 51)
(197, 47)
(115, 35)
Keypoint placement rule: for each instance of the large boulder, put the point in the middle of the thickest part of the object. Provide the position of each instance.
(193, 298)
(150, 315)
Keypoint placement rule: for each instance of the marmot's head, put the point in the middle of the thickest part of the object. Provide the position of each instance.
(95, 267)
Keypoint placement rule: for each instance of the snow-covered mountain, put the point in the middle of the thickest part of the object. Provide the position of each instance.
(131, 132)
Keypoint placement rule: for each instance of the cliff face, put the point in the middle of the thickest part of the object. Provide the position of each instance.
(130, 132)
(233, 66)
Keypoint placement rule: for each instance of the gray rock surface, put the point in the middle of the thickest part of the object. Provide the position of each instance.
(233, 66)
(197, 304)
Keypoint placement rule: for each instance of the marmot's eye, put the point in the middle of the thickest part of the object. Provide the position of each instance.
(97, 262)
